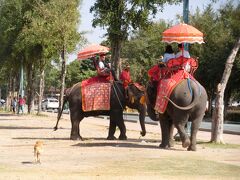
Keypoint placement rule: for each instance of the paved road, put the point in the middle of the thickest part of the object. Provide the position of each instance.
(205, 126)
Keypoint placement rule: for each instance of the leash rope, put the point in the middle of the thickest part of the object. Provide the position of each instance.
(117, 94)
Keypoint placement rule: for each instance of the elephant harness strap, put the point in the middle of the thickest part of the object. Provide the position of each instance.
(96, 94)
(166, 86)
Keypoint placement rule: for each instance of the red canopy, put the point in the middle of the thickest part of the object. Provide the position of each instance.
(182, 33)
(92, 50)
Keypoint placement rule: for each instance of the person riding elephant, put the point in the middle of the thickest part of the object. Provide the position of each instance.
(187, 102)
(125, 76)
(104, 69)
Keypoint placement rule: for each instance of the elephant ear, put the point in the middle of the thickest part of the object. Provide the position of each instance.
(143, 100)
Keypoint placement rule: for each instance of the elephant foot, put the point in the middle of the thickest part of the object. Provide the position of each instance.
(111, 138)
(76, 138)
(171, 143)
(164, 146)
(143, 133)
(192, 148)
(122, 137)
(186, 143)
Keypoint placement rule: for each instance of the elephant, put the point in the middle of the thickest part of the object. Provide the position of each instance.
(182, 107)
(118, 102)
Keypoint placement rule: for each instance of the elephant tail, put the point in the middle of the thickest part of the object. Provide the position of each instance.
(60, 111)
(196, 98)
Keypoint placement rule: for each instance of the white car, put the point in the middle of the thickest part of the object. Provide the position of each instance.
(50, 103)
(2, 102)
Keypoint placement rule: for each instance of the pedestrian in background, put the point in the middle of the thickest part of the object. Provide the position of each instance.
(21, 103)
(14, 105)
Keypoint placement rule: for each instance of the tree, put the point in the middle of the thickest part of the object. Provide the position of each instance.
(121, 17)
(58, 20)
(220, 31)
(230, 18)
(12, 23)
(217, 125)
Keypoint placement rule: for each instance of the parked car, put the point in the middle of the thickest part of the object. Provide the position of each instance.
(50, 103)
(235, 103)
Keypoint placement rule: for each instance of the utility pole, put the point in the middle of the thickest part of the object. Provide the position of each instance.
(21, 91)
(185, 17)
(185, 20)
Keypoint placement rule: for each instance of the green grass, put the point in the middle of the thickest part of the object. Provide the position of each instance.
(176, 167)
(215, 145)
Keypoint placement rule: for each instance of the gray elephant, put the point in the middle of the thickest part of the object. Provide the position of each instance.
(117, 104)
(182, 107)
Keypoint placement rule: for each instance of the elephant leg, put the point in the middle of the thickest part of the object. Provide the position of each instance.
(171, 140)
(165, 129)
(117, 115)
(194, 129)
(180, 125)
(112, 129)
(75, 121)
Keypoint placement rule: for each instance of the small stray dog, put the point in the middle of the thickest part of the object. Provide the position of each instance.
(38, 149)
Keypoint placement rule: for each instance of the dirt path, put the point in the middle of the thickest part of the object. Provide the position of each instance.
(97, 158)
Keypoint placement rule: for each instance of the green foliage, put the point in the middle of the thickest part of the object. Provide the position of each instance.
(52, 77)
(78, 71)
(35, 32)
(221, 29)
(143, 50)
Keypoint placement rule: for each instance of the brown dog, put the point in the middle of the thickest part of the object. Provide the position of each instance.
(38, 149)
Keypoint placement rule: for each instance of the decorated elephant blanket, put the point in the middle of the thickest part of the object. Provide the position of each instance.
(139, 86)
(166, 86)
(96, 94)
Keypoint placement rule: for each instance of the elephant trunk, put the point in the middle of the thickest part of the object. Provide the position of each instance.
(151, 94)
(142, 115)
(151, 112)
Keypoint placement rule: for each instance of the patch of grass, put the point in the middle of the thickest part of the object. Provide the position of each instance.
(180, 167)
(216, 145)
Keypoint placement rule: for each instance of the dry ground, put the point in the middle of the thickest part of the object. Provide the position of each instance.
(97, 158)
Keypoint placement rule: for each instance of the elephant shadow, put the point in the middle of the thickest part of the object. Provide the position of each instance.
(93, 142)
(115, 144)
(130, 143)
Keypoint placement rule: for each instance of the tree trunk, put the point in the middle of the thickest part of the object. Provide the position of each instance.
(9, 93)
(116, 46)
(218, 114)
(41, 90)
(63, 76)
(30, 88)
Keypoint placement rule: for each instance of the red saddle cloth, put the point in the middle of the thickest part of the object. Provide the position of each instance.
(96, 94)
(166, 86)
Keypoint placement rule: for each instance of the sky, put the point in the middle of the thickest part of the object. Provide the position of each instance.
(95, 35)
